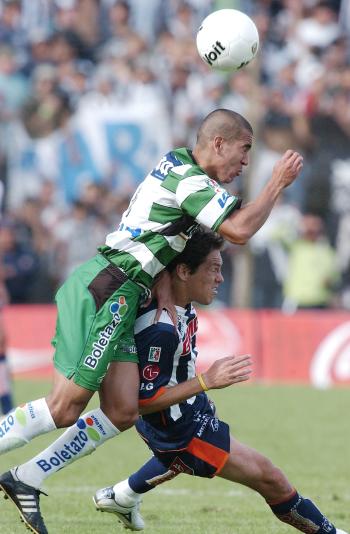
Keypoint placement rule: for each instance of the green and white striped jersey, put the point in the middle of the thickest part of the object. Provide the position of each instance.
(166, 208)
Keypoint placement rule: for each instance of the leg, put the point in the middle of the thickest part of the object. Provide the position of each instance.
(248, 467)
(67, 400)
(92, 318)
(63, 406)
(118, 407)
(119, 394)
(124, 498)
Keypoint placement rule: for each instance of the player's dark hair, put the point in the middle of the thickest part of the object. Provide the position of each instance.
(197, 249)
(224, 122)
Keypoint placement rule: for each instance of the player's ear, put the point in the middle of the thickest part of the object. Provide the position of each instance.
(183, 272)
(218, 143)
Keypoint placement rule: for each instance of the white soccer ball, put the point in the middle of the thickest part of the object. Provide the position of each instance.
(227, 39)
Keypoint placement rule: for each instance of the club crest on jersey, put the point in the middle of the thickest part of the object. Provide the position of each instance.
(212, 183)
(154, 354)
(118, 310)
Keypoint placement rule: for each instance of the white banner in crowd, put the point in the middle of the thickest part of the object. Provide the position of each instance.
(104, 142)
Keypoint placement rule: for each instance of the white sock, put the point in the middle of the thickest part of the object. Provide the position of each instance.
(124, 495)
(90, 431)
(25, 423)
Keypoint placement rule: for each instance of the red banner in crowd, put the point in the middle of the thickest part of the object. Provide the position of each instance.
(307, 347)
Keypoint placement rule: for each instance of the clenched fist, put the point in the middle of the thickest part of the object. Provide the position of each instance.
(287, 168)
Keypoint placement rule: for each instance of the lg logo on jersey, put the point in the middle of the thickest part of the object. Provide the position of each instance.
(148, 387)
(151, 372)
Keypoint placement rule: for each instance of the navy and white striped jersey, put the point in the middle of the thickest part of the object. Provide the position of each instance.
(167, 357)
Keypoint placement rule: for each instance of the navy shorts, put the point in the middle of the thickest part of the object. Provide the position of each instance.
(205, 454)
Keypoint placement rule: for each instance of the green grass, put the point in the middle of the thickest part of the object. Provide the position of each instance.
(306, 432)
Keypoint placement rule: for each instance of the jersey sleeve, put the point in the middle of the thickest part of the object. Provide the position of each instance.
(204, 199)
(156, 346)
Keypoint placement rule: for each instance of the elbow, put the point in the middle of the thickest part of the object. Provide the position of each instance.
(242, 240)
(238, 239)
(235, 233)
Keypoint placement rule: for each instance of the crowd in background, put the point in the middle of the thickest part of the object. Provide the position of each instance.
(67, 66)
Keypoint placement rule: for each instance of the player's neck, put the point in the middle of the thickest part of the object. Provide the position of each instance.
(204, 160)
(180, 294)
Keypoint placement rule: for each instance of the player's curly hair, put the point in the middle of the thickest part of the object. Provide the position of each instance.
(197, 249)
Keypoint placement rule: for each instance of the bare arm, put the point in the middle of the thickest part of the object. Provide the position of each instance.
(222, 373)
(242, 224)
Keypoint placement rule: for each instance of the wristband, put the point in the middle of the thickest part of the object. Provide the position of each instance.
(202, 383)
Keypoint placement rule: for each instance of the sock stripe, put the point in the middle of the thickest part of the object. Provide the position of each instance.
(290, 496)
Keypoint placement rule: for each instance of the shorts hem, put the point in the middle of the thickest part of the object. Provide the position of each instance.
(83, 384)
(125, 358)
(72, 375)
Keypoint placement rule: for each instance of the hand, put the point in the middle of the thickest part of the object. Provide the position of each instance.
(228, 371)
(287, 168)
(163, 293)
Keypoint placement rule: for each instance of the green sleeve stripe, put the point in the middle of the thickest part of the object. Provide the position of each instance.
(171, 182)
(195, 202)
(236, 204)
(163, 214)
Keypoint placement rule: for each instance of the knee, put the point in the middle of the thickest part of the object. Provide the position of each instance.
(64, 414)
(123, 418)
(274, 479)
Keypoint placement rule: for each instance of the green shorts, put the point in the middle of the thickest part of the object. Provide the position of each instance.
(96, 313)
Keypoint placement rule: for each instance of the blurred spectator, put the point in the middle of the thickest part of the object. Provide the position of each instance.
(270, 248)
(76, 239)
(48, 107)
(11, 29)
(19, 264)
(13, 85)
(312, 275)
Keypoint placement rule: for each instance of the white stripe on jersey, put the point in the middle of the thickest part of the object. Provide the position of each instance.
(175, 411)
(188, 186)
(141, 253)
(181, 169)
(146, 320)
(212, 211)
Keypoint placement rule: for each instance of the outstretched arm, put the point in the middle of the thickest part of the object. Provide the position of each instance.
(222, 373)
(242, 224)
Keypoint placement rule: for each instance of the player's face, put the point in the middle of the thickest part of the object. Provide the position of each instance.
(203, 284)
(233, 157)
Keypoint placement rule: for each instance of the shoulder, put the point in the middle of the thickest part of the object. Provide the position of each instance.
(145, 321)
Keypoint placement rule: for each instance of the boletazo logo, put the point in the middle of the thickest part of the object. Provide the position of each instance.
(118, 310)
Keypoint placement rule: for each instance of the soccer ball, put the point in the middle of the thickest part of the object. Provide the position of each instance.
(227, 39)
